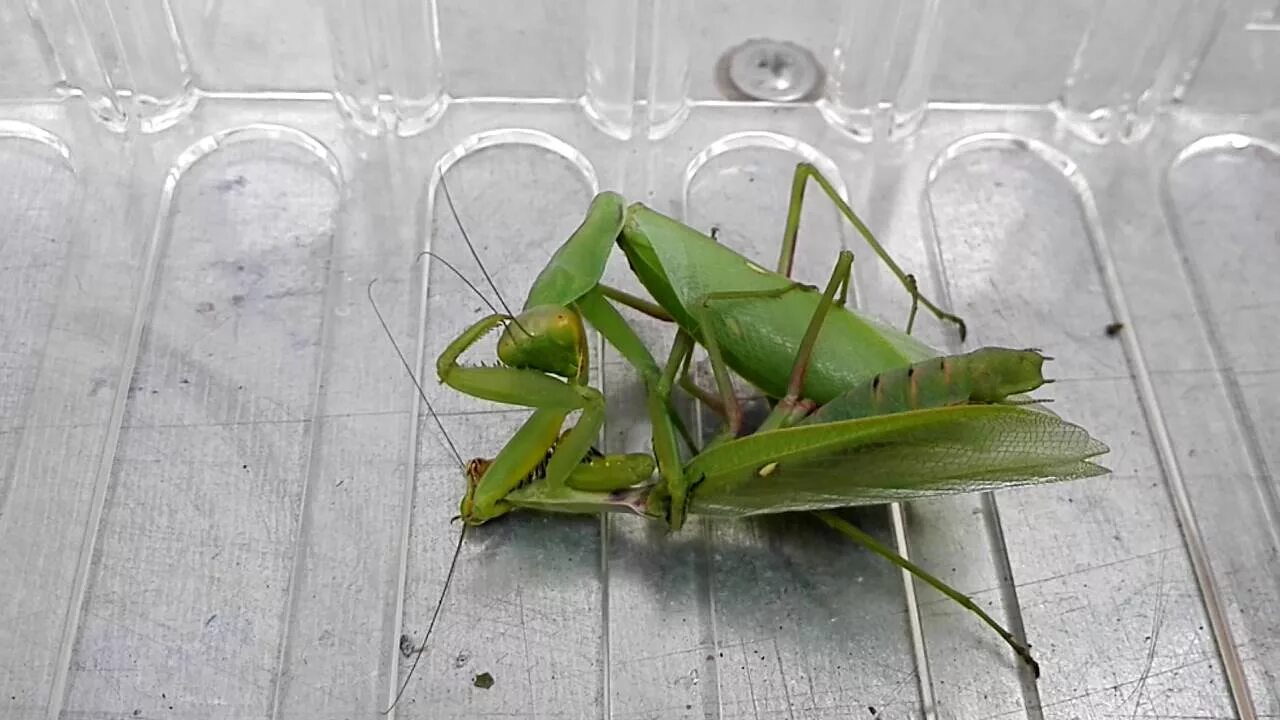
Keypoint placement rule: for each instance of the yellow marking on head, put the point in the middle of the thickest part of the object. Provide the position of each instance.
(768, 470)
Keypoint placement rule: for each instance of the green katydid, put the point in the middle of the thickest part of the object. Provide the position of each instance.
(864, 413)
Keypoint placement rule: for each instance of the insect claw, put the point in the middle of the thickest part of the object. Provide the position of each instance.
(1050, 381)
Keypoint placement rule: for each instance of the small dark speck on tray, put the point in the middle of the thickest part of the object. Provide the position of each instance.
(233, 183)
(1113, 329)
(484, 681)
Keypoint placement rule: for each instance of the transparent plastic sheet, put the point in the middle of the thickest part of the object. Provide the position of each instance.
(219, 496)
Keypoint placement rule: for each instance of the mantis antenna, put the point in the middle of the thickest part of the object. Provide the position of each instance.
(464, 279)
(448, 198)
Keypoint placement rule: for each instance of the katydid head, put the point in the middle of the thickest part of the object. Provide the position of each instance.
(997, 373)
(475, 471)
(549, 338)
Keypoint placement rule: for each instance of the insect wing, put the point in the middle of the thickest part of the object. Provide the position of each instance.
(887, 458)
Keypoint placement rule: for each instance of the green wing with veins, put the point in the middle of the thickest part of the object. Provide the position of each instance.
(887, 458)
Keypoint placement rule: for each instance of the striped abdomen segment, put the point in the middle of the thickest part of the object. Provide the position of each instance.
(986, 375)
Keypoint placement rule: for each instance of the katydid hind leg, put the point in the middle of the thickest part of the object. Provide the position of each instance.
(849, 530)
(803, 173)
(839, 281)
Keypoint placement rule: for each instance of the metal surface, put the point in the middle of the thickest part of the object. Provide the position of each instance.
(219, 497)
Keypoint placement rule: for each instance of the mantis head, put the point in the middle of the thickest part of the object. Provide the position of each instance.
(549, 338)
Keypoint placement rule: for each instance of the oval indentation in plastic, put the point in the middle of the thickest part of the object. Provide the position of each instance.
(1219, 201)
(518, 194)
(38, 193)
(1017, 250)
(40, 435)
(210, 466)
(1222, 192)
(1024, 257)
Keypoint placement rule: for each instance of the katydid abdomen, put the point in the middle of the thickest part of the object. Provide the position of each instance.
(988, 374)
(680, 266)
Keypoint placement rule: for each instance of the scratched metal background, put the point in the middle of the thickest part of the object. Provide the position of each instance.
(216, 500)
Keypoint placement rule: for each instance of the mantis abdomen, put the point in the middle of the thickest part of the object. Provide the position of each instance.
(986, 375)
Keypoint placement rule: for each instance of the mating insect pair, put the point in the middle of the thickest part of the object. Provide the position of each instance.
(863, 413)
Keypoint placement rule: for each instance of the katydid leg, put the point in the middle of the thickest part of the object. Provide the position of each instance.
(915, 304)
(850, 531)
(724, 385)
(647, 307)
(702, 395)
(786, 258)
(670, 466)
(790, 409)
(597, 310)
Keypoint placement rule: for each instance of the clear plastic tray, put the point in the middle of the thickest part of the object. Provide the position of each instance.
(220, 497)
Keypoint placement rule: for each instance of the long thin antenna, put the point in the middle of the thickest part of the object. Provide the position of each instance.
(464, 279)
(457, 550)
(417, 653)
(448, 198)
(409, 369)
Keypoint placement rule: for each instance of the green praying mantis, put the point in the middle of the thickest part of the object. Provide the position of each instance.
(862, 413)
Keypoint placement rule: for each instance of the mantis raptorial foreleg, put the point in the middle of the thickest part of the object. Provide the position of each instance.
(553, 399)
(538, 451)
